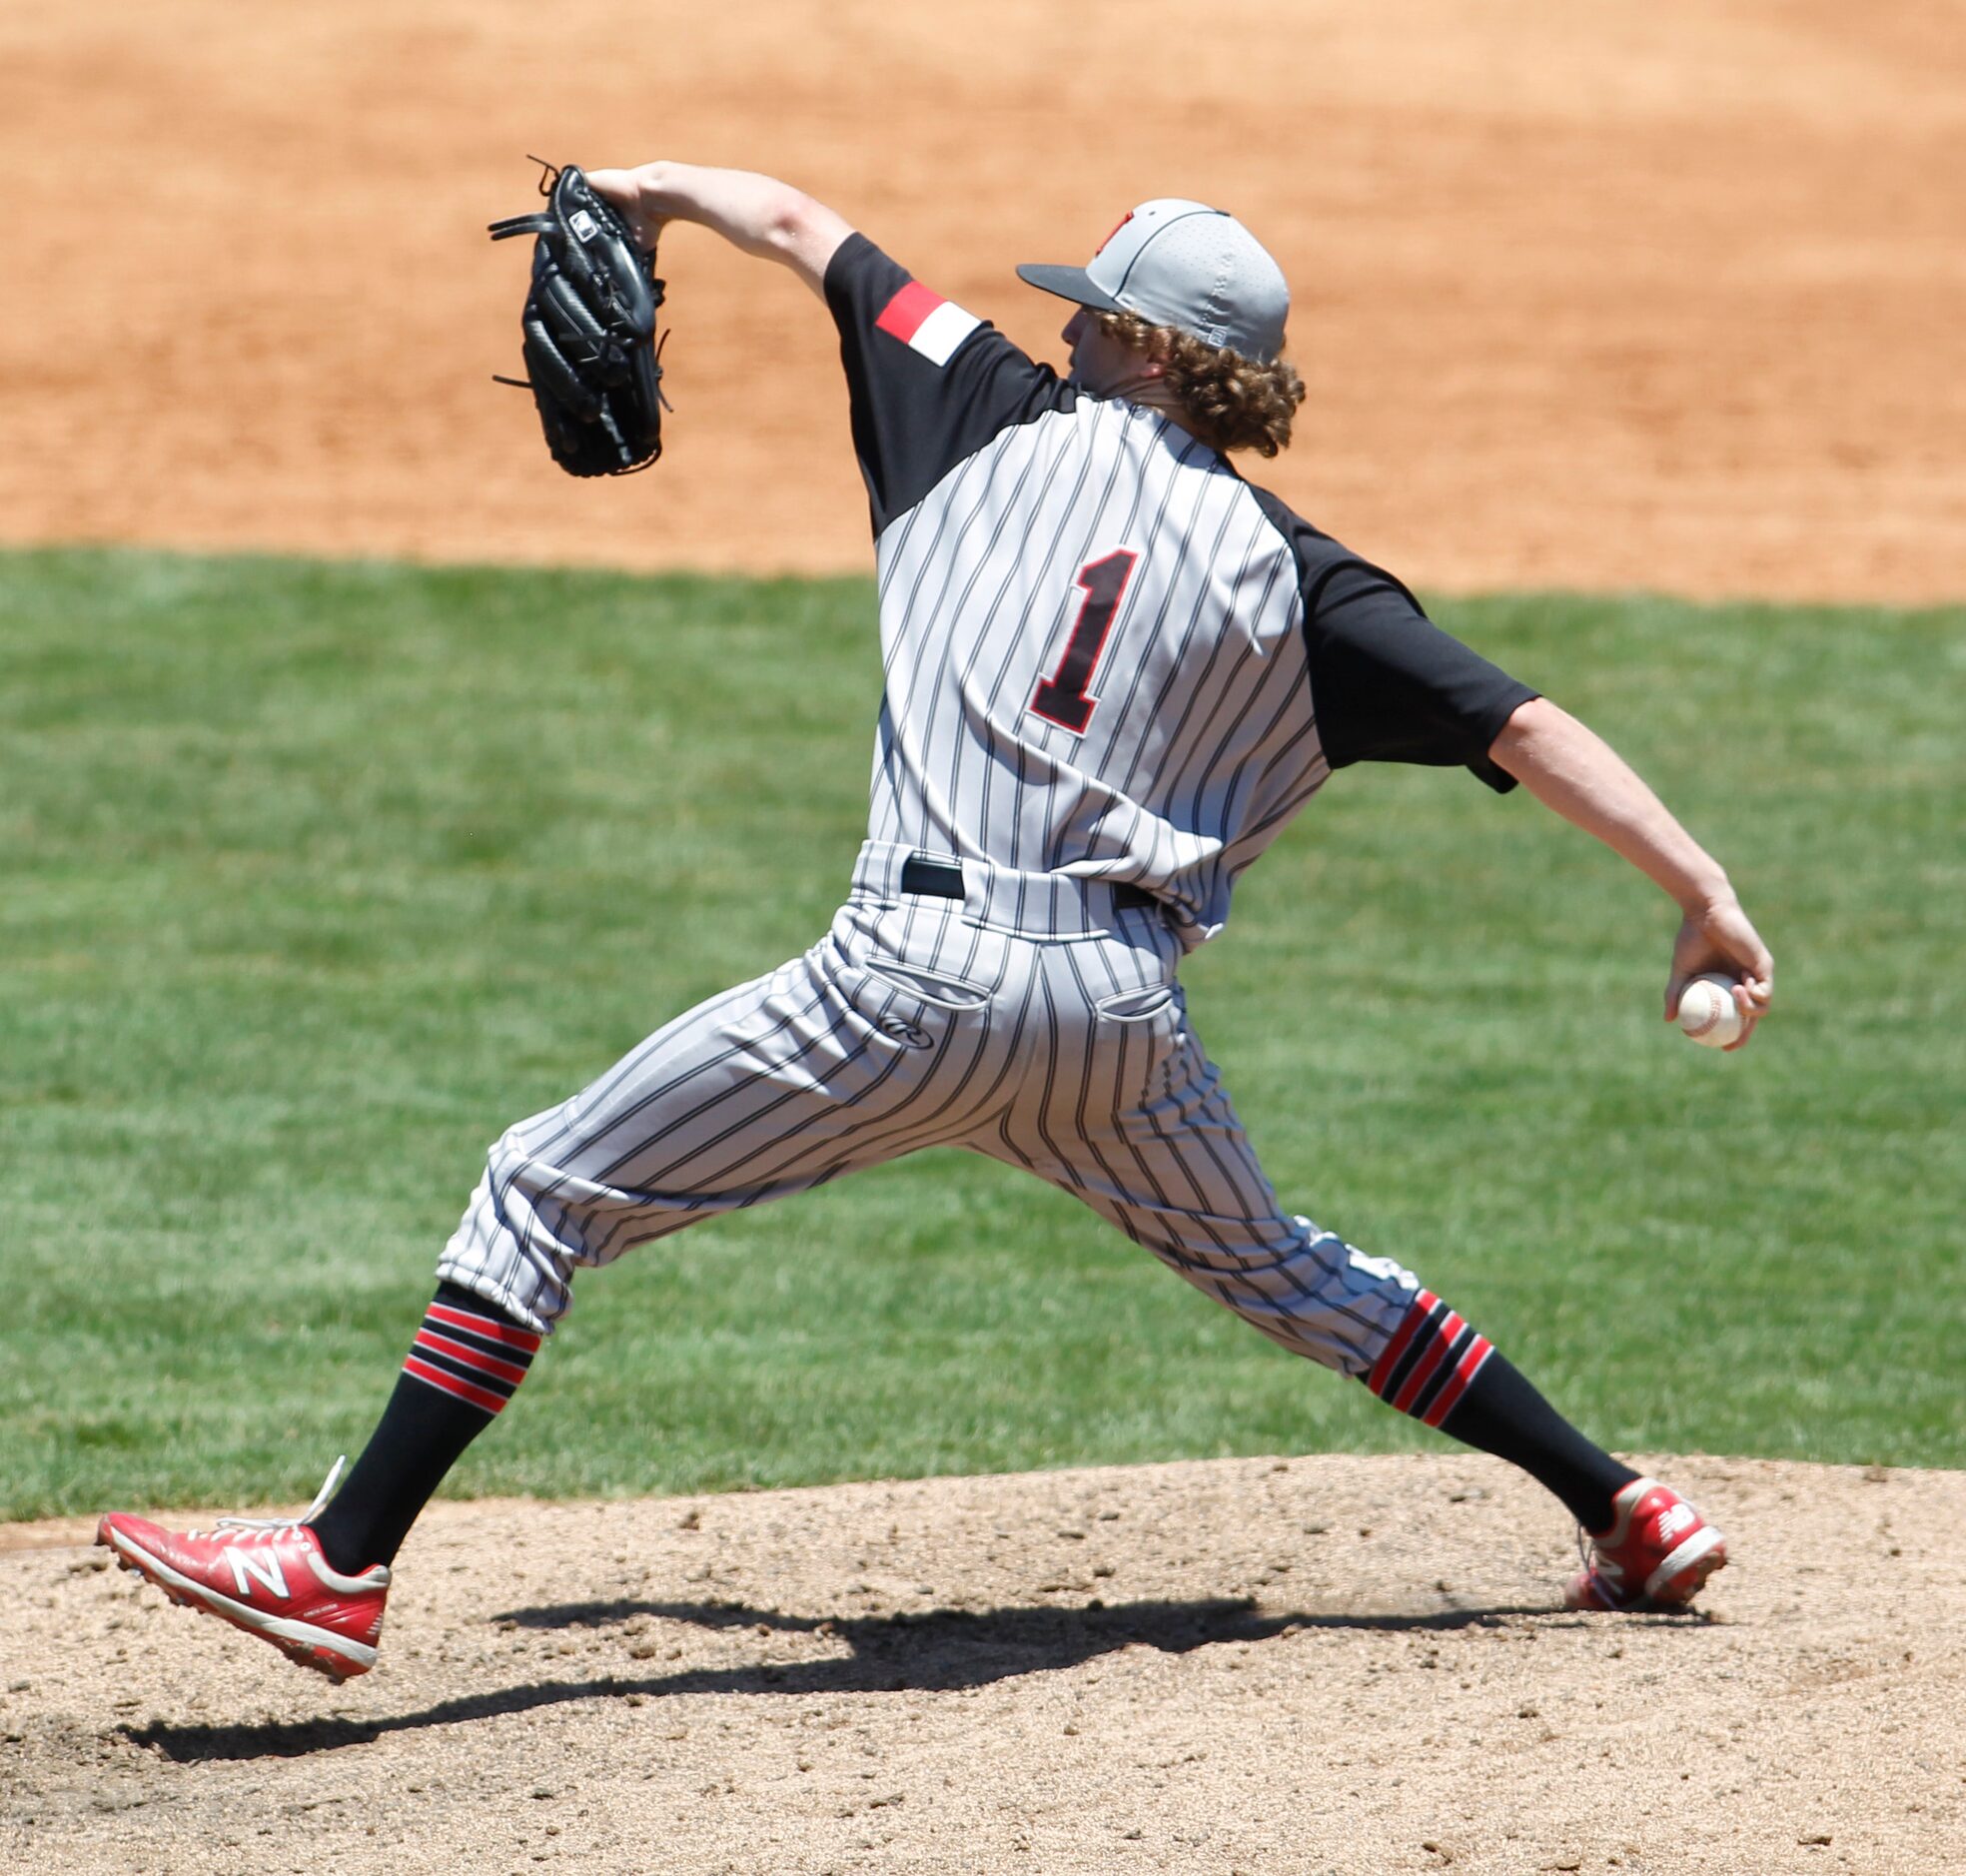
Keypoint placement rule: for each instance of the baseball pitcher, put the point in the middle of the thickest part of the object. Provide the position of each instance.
(1113, 670)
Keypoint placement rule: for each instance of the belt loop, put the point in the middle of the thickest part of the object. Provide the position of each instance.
(932, 879)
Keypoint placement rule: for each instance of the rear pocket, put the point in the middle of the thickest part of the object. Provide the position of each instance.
(954, 994)
(1147, 1028)
(1135, 1006)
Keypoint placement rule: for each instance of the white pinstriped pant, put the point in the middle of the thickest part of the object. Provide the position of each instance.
(1032, 1021)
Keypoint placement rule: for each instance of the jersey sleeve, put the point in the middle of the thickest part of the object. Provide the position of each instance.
(929, 382)
(1389, 686)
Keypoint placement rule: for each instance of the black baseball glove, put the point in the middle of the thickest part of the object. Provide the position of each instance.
(589, 330)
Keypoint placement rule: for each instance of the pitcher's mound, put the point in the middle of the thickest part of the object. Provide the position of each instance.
(1325, 1663)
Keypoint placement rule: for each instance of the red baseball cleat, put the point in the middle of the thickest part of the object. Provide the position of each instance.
(266, 1577)
(1657, 1555)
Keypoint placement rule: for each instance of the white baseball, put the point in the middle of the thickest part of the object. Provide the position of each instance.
(1708, 1013)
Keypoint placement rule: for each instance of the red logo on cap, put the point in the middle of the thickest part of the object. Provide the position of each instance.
(1108, 242)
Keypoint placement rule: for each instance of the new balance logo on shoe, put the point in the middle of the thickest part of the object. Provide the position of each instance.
(263, 1567)
(1676, 1522)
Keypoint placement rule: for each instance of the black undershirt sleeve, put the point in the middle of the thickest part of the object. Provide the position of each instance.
(1389, 686)
(921, 404)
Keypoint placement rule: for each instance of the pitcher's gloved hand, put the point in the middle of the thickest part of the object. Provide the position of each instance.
(589, 330)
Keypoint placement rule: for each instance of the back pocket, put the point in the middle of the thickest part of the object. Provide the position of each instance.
(1135, 1006)
(1145, 1028)
(954, 994)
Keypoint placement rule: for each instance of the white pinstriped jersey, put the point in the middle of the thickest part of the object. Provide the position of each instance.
(1106, 655)
(1110, 661)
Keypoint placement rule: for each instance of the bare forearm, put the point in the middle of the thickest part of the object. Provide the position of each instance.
(1578, 774)
(757, 214)
(1572, 770)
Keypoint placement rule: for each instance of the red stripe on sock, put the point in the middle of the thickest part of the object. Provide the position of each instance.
(463, 1389)
(486, 1325)
(1424, 1368)
(1387, 1362)
(485, 1364)
(1464, 1376)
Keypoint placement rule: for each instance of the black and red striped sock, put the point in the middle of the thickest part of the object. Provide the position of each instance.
(1438, 1370)
(464, 1364)
(470, 1349)
(1430, 1362)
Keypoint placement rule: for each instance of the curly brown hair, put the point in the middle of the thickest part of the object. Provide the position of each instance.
(1230, 402)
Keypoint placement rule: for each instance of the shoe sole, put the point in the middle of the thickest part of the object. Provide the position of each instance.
(1678, 1578)
(1669, 1588)
(302, 1642)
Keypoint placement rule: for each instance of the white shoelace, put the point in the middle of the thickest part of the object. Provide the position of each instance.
(262, 1524)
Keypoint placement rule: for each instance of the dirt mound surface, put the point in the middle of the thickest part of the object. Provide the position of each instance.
(1327, 1663)
(1662, 295)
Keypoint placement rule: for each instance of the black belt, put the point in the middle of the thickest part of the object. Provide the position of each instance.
(943, 879)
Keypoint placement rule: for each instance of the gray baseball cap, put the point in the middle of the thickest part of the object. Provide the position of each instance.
(1184, 265)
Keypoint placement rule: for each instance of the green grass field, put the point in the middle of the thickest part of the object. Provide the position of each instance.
(318, 876)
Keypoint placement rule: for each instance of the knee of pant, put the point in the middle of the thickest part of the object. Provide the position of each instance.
(509, 1157)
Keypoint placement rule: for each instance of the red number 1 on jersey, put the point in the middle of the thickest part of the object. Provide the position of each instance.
(1062, 698)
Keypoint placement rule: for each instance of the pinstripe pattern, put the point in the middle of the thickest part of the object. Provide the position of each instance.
(1031, 1021)
(1202, 741)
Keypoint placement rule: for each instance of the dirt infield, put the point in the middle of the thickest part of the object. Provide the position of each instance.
(1324, 1664)
(1664, 295)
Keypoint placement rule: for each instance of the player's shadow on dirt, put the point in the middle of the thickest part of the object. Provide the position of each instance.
(940, 1650)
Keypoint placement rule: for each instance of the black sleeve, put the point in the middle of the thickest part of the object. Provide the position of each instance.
(930, 385)
(1389, 686)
